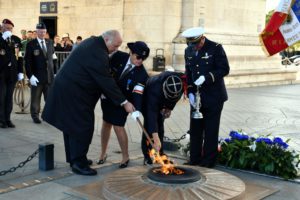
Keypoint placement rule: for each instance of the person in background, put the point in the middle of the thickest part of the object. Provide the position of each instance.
(10, 71)
(206, 65)
(131, 76)
(66, 43)
(28, 38)
(34, 34)
(161, 94)
(57, 54)
(39, 69)
(23, 35)
(76, 90)
(57, 45)
(78, 41)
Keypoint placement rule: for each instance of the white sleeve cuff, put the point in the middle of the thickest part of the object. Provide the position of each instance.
(124, 102)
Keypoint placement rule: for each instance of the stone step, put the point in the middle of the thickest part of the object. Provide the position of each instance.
(261, 77)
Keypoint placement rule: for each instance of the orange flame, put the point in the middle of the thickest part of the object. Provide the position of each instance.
(167, 166)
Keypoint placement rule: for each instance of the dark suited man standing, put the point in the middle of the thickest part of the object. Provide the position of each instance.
(205, 65)
(39, 69)
(77, 88)
(10, 71)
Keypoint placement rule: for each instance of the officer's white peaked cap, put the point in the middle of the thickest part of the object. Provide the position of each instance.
(193, 32)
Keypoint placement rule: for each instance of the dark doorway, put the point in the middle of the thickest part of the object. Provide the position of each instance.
(51, 24)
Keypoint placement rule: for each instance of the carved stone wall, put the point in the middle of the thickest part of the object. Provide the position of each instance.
(235, 24)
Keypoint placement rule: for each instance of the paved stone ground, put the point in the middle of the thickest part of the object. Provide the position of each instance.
(261, 110)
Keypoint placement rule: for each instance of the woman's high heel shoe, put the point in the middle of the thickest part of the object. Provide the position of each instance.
(124, 165)
(102, 161)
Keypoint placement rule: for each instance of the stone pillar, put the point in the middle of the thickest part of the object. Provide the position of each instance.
(155, 22)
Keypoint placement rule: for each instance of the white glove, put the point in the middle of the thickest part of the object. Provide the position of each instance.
(33, 80)
(200, 81)
(6, 34)
(135, 115)
(102, 96)
(20, 76)
(192, 100)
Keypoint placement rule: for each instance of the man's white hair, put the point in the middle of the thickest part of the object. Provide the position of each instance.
(110, 35)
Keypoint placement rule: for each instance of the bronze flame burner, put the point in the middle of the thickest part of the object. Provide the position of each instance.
(190, 175)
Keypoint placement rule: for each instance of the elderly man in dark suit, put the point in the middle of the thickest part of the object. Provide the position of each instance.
(206, 65)
(39, 68)
(76, 90)
(131, 76)
(10, 71)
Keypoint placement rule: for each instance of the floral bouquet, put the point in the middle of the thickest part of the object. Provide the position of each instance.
(262, 153)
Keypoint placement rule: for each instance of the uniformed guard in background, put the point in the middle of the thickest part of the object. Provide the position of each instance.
(161, 94)
(39, 69)
(131, 76)
(205, 66)
(10, 71)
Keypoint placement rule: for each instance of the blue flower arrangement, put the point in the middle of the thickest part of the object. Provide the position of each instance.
(263, 154)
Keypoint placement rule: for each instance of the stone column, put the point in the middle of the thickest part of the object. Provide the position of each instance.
(155, 22)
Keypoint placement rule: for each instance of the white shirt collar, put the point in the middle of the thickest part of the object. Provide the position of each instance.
(128, 62)
(39, 40)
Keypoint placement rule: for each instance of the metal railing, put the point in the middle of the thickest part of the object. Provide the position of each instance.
(58, 59)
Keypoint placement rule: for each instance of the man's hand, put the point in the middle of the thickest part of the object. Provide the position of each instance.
(135, 115)
(192, 100)
(33, 80)
(157, 143)
(166, 112)
(199, 81)
(129, 107)
(20, 76)
(6, 34)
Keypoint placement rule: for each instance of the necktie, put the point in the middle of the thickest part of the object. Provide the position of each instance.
(44, 48)
(126, 71)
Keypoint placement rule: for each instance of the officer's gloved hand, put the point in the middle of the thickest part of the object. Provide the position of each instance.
(6, 34)
(33, 80)
(192, 100)
(135, 115)
(20, 76)
(199, 81)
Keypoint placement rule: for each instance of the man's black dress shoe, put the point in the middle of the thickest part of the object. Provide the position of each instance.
(37, 120)
(208, 165)
(83, 170)
(102, 161)
(124, 165)
(3, 125)
(10, 124)
(90, 162)
(148, 161)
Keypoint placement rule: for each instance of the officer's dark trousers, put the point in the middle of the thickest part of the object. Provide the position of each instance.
(36, 94)
(76, 150)
(6, 98)
(204, 135)
(146, 146)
